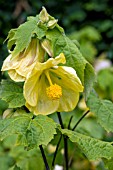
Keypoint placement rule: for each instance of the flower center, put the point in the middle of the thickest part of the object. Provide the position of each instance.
(54, 91)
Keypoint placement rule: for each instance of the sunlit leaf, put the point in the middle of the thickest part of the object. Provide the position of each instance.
(93, 148)
(12, 93)
(22, 36)
(31, 132)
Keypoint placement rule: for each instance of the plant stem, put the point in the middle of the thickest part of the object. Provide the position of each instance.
(80, 120)
(60, 120)
(53, 162)
(75, 128)
(65, 142)
(70, 122)
(66, 151)
(44, 157)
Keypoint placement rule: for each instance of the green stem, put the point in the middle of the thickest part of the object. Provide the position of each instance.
(44, 157)
(60, 120)
(66, 151)
(70, 122)
(53, 162)
(80, 120)
(65, 142)
(75, 128)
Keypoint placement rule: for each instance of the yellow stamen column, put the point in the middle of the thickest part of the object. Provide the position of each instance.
(54, 91)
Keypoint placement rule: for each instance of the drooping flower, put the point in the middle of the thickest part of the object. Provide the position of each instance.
(19, 66)
(51, 88)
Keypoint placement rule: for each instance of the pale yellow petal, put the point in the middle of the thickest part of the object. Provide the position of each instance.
(59, 59)
(15, 76)
(68, 101)
(25, 61)
(29, 59)
(47, 46)
(51, 62)
(31, 87)
(44, 105)
(10, 63)
(66, 77)
(23, 69)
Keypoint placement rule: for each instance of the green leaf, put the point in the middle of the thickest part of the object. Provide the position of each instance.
(108, 84)
(93, 148)
(89, 79)
(31, 132)
(10, 39)
(103, 110)
(12, 93)
(61, 43)
(5, 161)
(22, 37)
(109, 164)
(3, 106)
(27, 160)
(89, 126)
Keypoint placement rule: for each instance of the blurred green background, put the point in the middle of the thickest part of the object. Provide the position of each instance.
(90, 22)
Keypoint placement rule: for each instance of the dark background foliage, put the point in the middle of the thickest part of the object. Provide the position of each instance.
(73, 15)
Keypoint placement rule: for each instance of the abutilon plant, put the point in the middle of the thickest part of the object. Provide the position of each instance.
(47, 75)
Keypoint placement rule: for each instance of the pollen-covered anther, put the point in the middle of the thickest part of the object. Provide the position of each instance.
(54, 91)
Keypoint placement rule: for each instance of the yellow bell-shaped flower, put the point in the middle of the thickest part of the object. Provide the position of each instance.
(19, 66)
(51, 88)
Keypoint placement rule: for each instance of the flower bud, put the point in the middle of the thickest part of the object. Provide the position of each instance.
(52, 23)
(44, 16)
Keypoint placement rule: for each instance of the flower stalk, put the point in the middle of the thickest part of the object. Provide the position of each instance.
(53, 162)
(65, 142)
(44, 157)
(80, 119)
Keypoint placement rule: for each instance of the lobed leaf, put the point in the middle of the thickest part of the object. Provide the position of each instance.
(31, 132)
(23, 34)
(103, 110)
(93, 148)
(12, 93)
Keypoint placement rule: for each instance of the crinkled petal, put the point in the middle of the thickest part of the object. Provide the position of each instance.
(30, 58)
(24, 69)
(66, 77)
(44, 105)
(15, 76)
(51, 62)
(10, 63)
(25, 61)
